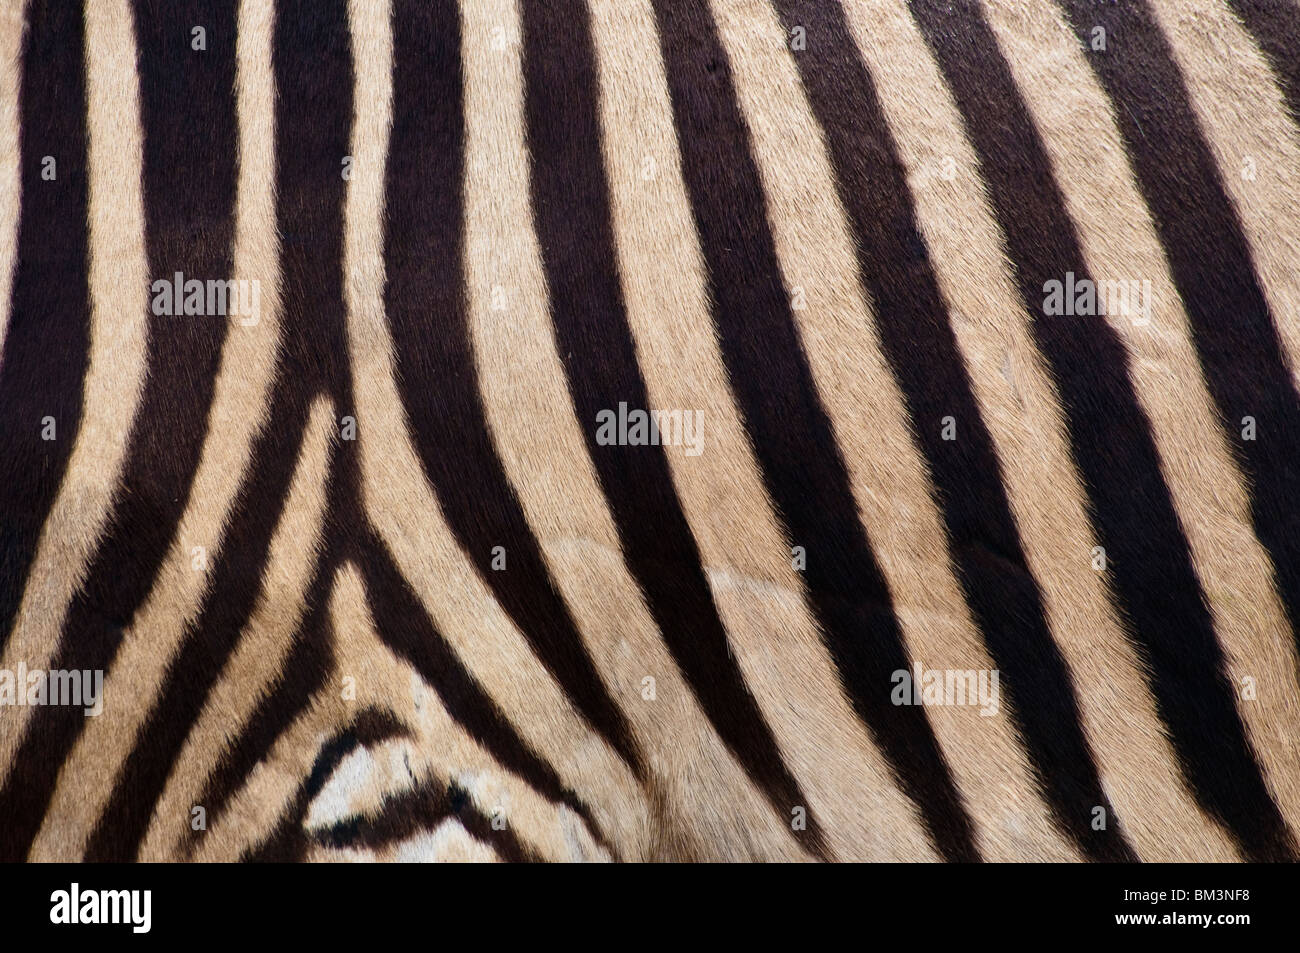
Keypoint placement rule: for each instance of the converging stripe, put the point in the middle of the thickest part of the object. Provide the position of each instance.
(365, 575)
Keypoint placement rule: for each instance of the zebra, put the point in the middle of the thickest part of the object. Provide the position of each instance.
(950, 573)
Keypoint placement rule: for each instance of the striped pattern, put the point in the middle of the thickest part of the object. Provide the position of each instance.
(828, 229)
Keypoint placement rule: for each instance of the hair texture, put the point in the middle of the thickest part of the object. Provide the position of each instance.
(972, 336)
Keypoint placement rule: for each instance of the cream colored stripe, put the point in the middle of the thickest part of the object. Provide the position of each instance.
(118, 333)
(238, 413)
(266, 639)
(889, 476)
(1076, 121)
(540, 442)
(397, 495)
(11, 79)
(1020, 407)
(1242, 114)
(757, 591)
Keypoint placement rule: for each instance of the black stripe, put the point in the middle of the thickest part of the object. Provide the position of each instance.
(1275, 25)
(406, 628)
(923, 351)
(1131, 507)
(207, 645)
(302, 675)
(571, 207)
(187, 101)
(312, 63)
(1204, 241)
(287, 842)
(792, 434)
(423, 808)
(435, 367)
(48, 339)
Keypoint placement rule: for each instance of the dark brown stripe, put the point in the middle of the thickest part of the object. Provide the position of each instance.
(187, 102)
(435, 368)
(48, 339)
(1148, 557)
(301, 677)
(571, 208)
(791, 432)
(920, 345)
